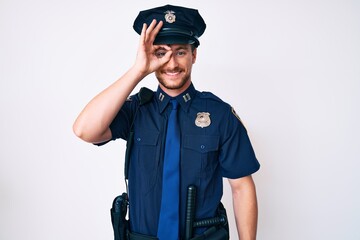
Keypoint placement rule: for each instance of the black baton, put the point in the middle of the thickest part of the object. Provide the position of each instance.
(190, 212)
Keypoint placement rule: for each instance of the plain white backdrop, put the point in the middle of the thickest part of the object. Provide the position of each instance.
(291, 69)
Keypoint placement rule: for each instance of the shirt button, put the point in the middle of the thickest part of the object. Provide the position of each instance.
(138, 139)
(202, 146)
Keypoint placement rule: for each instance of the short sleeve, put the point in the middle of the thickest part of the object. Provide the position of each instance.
(237, 156)
(121, 125)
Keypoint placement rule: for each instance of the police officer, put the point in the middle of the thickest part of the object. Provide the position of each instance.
(214, 143)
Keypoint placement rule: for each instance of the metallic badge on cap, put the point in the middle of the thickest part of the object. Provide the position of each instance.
(203, 119)
(170, 16)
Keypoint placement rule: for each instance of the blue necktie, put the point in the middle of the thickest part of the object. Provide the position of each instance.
(168, 228)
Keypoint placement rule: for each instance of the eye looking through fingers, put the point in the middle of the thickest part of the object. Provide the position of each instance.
(159, 53)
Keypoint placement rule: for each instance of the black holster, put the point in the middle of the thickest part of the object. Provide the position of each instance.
(118, 217)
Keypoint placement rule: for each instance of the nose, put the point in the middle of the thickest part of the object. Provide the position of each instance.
(172, 63)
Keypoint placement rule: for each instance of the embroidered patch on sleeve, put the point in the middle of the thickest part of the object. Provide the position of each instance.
(235, 114)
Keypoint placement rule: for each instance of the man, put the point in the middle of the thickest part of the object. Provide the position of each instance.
(213, 141)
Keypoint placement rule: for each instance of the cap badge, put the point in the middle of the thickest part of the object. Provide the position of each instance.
(203, 119)
(170, 16)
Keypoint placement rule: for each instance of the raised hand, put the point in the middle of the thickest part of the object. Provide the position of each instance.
(147, 59)
(92, 125)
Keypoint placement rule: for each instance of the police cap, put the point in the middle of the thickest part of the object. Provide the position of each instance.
(181, 25)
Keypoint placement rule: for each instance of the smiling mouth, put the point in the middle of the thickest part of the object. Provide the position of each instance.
(172, 73)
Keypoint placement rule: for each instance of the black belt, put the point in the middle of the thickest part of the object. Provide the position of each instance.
(137, 236)
(212, 233)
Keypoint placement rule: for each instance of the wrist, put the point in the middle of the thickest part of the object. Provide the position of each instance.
(138, 73)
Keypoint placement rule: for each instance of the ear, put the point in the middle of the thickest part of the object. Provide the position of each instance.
(194, 55)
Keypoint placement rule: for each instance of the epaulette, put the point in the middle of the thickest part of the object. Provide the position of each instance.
(210, 95)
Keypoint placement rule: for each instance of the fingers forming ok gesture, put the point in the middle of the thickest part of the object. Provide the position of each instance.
(146, 60)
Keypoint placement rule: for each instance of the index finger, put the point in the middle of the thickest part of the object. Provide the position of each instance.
(153, 30)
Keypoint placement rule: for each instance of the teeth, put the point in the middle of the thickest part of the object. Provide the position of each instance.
(172, 73)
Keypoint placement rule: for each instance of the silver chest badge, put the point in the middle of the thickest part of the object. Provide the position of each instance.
(170, 16)
(203, 119)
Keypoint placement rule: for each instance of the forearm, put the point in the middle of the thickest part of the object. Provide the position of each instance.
(92, 125)
(245, 207)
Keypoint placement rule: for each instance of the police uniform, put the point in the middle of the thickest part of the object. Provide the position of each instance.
(214, 142)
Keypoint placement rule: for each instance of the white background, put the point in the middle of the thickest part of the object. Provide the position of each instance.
(291, 69)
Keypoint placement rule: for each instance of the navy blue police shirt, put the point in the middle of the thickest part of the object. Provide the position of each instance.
(214, 144)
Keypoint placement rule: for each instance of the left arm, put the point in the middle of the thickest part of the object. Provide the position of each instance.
(245, 207)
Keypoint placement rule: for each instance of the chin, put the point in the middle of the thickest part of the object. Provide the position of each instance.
(174, 85)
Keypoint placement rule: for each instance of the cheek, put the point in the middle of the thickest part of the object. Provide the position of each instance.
(189, 62)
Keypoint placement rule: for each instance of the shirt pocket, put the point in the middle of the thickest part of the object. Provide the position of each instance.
(203, 149)
(146, 149)
(201, 163)
(201, 143)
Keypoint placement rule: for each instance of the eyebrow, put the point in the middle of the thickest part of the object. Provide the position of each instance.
(182, 47)
(160, 48)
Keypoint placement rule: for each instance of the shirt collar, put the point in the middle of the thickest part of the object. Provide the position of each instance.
(184, 99)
